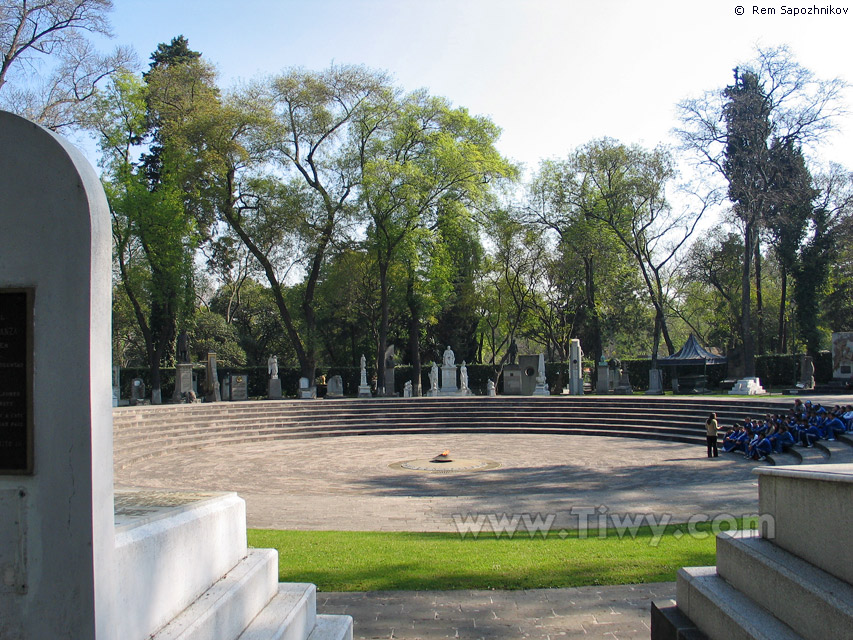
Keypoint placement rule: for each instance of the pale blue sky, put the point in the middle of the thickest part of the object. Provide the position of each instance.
(552, 73)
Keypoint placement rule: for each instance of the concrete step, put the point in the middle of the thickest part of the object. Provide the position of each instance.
(838, 451)
(170, 548)
(226, 609)
(290, 615)
(791, 456)
(722, 612)
(774, 579)
(812, 507)
(332, 628)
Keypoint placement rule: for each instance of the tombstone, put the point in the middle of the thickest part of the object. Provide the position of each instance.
(614, 368)
(225, 389)
(239, 387)
(183, 380)
(116, 385)
(57, 537)
(448, 373)
(655, 383)
(407, 389)
(389, 371)
(306, 390)
(575, 368)
(541, 383)
(512, 380)
(842, 355)
(624, 387)
(529, 367)
(490, 389)
(363, 387)
(212, 392)
(335, 388)
(602, 382)
(137, 391)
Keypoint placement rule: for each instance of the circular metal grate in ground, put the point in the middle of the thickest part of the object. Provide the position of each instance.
(457, 464)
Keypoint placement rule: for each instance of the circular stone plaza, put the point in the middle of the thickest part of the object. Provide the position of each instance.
(561, 459)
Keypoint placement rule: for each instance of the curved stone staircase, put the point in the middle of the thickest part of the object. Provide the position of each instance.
(148, 431)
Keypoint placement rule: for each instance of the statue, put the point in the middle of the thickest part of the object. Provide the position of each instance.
(272, 367)
(363, 371)
(449, 357)
(463, 378)
(433, 377)
(490, 388)
(407, 389)
(513, 351)
(183, 347)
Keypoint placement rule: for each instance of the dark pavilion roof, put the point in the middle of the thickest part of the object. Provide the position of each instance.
(691, 353)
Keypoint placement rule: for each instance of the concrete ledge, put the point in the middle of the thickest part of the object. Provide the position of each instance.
(290, 615)
(669, 623)
(332, 628)
(775, 579)
(723, 613)
(164, 561)
(227, 608)
(812, 508)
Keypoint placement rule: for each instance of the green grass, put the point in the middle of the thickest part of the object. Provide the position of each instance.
(377, 561)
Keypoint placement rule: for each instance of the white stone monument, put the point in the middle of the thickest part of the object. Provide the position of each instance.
(274, 384)
(448, 374)
(363, 387)
(747, 387)
(575, 368)
(335, 387)
(842, 355)
(541, 383)
(490, 389)
(407, 389)
(655, 383)
(68, 569)
(306, 391)
(433, 381)
(464, 390)
(602, 382)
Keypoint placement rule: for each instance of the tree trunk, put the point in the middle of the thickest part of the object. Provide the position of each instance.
(782, 343)
(414, 337)
(746, 302)
(759, 303)
(383, 329)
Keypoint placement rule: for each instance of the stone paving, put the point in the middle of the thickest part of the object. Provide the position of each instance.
(356, 483)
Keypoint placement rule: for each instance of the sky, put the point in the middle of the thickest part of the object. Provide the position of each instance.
(553, 74)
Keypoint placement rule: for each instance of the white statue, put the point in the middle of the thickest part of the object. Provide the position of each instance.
(490, 389)
(433, 377)
(463, 378)
(363, 371)
(541, 377)
(449, 357)
(407, 389)
(272, 367)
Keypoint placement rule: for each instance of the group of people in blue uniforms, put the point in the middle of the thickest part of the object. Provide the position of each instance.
(803, 425)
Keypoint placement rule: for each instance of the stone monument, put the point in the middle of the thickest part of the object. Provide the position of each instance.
(335, 387)
(448, 373)
(389, 371)
(529, 370)
(575, 368)
(490, 389)
(842, 356)
(407, 389)
(602, 382)
(137, 391)
(363, 387)
(806, 372)
(655, 383)
(183, 380)
(239, 387)
(212, 392)
(624, 387)
(747, 387)
(463, 380)
(73, 564)
(274, 384)
(541, 383)
(306, 391)
(511, 380)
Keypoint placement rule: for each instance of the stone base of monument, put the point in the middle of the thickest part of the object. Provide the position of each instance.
(747, 387)
(780, 582)
(541, 390)
(364, 391)
(274, 389)
(448, 381)
(184, 555)
(655, 383)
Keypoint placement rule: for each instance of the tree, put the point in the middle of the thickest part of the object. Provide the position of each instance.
(54, 32)
(773, 101)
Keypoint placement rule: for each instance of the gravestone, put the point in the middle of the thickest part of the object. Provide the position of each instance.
(239, 387)
(575, 368)
(512, 380)
(389, 371)
(624, 387)
(137, 391)
(335, 388)
(183, 380)
(655, 383)
(57, 537)
(306, 391)
(212, 392)
(602, 381)
(842, 355)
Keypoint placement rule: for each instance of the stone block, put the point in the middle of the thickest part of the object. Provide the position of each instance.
(274, 389)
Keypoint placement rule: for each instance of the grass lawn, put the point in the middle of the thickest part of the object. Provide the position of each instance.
(377, 561)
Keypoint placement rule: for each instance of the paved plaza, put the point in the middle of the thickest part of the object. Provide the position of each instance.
(357, 483)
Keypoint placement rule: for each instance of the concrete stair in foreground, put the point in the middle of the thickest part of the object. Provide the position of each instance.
(791, 580)
(186, 573)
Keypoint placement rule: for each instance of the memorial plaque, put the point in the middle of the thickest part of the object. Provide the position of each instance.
(16, 381)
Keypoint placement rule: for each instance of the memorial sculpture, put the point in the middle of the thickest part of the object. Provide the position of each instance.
(463, 380)
(541, 383)
(449, 357)
(363, 387)
(490, 389)
(407, 389)
(433, 380)
(272, 366)
(183, 347)
(274, 384)
(448, 374)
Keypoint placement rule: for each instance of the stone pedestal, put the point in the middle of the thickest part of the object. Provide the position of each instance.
(183, 380)
(747, 387)
(655, 383)
(239, 387)
(274, 389)
(448, 380)
(512, 380)
(575, 368)
(624, 387)
(602, 382)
